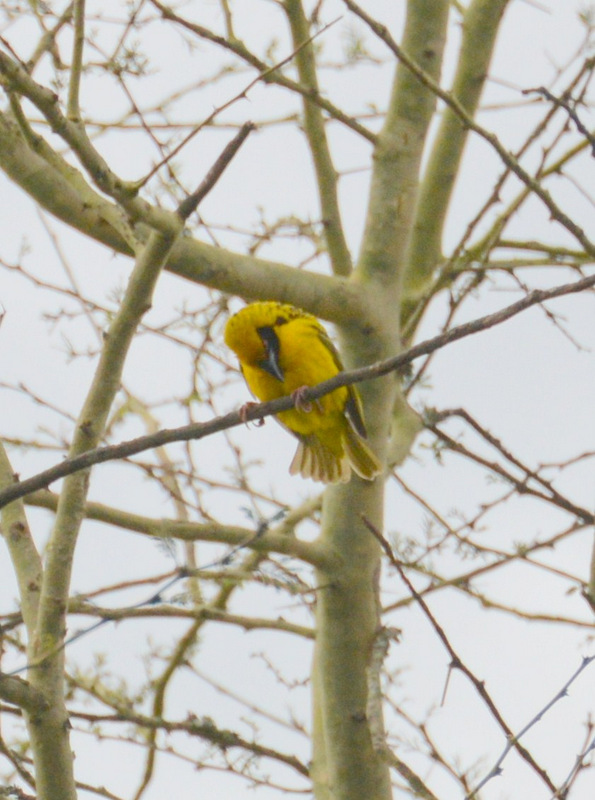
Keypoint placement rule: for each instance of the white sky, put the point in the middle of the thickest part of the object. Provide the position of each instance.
(524, 381)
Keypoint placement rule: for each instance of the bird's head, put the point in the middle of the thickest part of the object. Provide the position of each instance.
(252, 334)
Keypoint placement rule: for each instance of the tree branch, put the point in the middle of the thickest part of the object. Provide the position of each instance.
(481, 24)
(269, 539)
(314, 128)
(396, 166)
(18, 692)
(268, 75)
(260, 411)
(21, 546)
(508, 159)
(457, 663)
(73, 108)
(546, 491)
(190, 204)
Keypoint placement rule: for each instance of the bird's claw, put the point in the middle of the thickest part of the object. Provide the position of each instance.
(301, 403)
(243, 412)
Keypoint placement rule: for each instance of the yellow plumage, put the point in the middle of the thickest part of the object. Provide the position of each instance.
(281, 349)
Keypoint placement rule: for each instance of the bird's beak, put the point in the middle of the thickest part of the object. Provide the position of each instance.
(271, 364)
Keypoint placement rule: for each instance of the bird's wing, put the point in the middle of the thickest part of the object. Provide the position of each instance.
(353, 406)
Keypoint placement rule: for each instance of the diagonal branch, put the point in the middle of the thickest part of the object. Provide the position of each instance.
(457, 663)
(269, 75)
(190, 204)
(545, 490)
(508, 159)
(261, 410)
(241, 95)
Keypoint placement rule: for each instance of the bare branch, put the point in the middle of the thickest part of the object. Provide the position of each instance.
(457, 663)
(546, 491)
(260, 411)
(509, 160)
(74, 111)
(513, 741)
(17, 691)
(270, 75)
(190, 204)
(565, 103)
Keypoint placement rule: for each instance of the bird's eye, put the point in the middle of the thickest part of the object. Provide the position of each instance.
(280, 321)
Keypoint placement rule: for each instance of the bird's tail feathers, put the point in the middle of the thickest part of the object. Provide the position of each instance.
(313, 459)
(360, 456)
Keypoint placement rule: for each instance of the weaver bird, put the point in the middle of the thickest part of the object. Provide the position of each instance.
(283, 349)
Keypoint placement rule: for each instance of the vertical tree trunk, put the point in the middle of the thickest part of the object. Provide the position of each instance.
(345, 767)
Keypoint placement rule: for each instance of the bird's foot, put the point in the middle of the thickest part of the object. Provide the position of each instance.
(300, 401)
(243, 412)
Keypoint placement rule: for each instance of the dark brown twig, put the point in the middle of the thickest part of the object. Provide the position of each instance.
(259, 411)
(190, 204)
(505, 156)
(455, 660)
(568, 106)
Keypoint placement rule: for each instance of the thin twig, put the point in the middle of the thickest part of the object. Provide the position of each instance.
(507, 158)
(270, 74)
(457, 663)
(564, 102)
(240, 96)
(190, 204)
(513, 742)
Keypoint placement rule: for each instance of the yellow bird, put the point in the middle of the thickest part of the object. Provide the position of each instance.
(281, 350)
